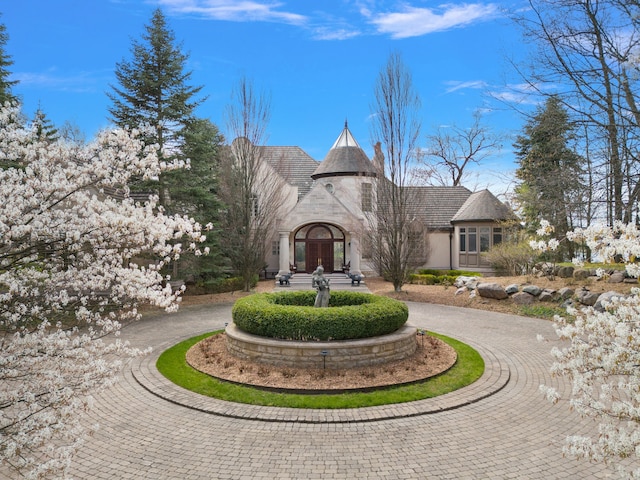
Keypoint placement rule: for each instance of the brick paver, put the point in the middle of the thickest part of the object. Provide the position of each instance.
(499, 428)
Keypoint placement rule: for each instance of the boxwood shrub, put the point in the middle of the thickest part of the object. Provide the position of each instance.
(449, 273)
(292, 316)
(428, 276)
(427, 279)
(219, 285)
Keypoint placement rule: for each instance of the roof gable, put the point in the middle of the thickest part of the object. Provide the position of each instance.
(319, 206)
(293, 164)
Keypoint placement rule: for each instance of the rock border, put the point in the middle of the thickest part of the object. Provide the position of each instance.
(530, 293)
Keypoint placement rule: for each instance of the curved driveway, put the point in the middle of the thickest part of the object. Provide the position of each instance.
(511, 433)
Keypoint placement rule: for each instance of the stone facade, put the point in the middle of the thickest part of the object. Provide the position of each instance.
(365, 352)
(329, 206)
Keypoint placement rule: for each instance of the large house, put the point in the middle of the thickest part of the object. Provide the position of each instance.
(328, 205)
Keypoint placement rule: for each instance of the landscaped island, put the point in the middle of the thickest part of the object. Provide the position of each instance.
(292, 316)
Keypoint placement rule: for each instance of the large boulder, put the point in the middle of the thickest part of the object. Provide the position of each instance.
(491, 290)
(581, 274)
(513, 288)
(463, 281)
(604, 298)
(523, 298)
(461, 290)
(616, 277)
(566, 292)
(565, 272)
(586, 297)
(532, 289)
(548, 295)
(544, 269)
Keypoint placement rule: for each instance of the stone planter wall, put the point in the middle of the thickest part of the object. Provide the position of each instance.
(340, 354)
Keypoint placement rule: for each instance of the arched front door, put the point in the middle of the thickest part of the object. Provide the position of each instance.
(319, 244)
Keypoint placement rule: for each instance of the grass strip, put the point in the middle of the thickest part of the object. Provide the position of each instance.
(467, 369)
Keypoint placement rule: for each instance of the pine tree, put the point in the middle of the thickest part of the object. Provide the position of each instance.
(194, 192)
(153, 91)
(43, 127)
(5, 63)
(153, 87)
(550, 170)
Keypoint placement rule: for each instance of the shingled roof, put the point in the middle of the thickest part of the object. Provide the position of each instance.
(482, 206)
(345, 158)
(437, 205)
(293, 163)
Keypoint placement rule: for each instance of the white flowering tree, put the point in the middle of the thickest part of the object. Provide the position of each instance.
(602, 357)
(69, 280)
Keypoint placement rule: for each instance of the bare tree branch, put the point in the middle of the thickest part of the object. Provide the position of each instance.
(251, 191)
(397, 236)
(451, 150)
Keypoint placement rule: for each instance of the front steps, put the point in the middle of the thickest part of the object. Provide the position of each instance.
(337, 281)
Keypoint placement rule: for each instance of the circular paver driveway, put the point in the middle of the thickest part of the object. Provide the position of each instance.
(512, 433)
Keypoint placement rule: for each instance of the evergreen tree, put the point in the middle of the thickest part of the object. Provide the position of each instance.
(5, 63)
(43, 127)
(153, 87)
(194, 192)
(153, 91)
(550, 170)
(5, 89)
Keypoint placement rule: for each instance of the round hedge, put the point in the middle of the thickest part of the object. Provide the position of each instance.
(292, 316)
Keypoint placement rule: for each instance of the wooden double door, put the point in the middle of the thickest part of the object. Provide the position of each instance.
(319, 244)
(319, 252)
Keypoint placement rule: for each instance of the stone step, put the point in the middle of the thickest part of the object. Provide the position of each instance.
(337, 281)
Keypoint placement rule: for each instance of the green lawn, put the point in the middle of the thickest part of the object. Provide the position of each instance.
(467, 369)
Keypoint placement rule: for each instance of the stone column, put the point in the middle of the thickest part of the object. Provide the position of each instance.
(354, 255)
(284, 254)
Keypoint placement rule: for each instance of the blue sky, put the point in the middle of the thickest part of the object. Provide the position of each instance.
(318, 61)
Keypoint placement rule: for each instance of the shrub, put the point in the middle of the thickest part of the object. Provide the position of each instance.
(444, 277)
(292, 316)
(220, 285)
(448, 273)
(422, 279)
(510, 258)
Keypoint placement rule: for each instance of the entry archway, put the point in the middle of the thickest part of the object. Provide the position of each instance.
(319, 244)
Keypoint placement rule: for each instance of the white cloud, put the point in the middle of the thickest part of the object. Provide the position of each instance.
(414, 22)
(329, 33)
(454, 85)
(520, 93)
(52, 80)
(236, 11)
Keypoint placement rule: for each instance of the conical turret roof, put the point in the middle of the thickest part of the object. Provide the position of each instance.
(345, 158)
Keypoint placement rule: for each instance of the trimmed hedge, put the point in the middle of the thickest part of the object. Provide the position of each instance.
(219, 285)
(292, 316)
(451, 273)
(427, 276)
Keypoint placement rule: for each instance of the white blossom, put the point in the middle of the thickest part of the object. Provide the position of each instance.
(601, 357)
(74, 265)
(545, 228)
